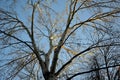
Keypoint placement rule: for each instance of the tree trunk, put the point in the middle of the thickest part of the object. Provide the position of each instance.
(50, 76)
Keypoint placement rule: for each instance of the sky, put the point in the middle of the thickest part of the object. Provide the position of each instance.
(59, 6)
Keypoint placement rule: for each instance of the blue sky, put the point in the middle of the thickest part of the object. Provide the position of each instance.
(24, 14)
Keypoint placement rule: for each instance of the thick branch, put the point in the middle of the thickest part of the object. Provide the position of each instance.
(32, 25)
(88, 49)
(71, 15)
(70, 61)
(47, 56)
(41, 62)
(57, 50)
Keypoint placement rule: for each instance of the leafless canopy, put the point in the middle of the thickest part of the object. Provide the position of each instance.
(59, 39)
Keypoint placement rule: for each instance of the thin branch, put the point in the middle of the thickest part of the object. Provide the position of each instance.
(91, 19)
(15, 19)
(15, 60)
(20, 68)
(86, 50)
(97, 69)
(16, 39)
(97, 4)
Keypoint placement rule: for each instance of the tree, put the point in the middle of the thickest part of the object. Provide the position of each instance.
(104, 58)
(38, 41)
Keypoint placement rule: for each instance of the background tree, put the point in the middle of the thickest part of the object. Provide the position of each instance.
(104, 58)
(54, 39)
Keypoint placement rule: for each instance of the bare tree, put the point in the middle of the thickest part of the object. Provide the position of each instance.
(104, 58)
(98, 74)
(37, 41)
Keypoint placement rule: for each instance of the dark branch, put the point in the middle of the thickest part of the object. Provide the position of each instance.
(16, 39)
(88, 49)
(97, 69)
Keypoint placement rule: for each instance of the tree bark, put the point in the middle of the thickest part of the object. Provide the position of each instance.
(50, 76)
